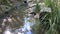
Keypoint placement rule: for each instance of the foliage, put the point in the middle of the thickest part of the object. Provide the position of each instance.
(54, 16)
(37, 9)
(52, 26)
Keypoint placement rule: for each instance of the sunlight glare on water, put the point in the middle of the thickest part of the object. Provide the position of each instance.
(19, 33)
(27, 26)
(7, 32)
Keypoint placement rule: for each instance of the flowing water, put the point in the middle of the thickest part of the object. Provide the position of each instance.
(25, 29)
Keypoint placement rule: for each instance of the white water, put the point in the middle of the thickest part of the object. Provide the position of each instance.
(27, 26)
(25, 29)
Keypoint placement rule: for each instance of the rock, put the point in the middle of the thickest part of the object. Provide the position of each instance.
(45, 9)
(36, 16)
(5, 8)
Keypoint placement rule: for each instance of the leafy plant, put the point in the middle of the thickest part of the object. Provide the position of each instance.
(54, 18)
